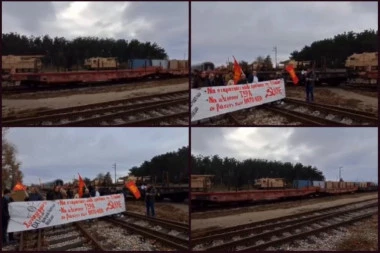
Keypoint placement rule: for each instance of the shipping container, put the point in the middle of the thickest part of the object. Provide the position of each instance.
(302, 184)
(183, 64)
(139, 63)
(321, 184)
(201, 182)
(173, 64)
(160, 63)
(270, 183)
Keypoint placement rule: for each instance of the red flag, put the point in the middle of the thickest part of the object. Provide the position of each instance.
(81, 185)
(133, 188)
(292, 74)
(237, 71)
(19, 187)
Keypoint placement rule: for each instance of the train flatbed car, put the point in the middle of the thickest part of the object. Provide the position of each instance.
(250, 196)
(51, 78)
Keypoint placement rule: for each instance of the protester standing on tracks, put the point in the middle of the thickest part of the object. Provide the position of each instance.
(76, 194)
(55, 194)
(5, 216)
(86, 193)
(253, 77)
(150, 197)
(202, 81)
(310, 80)
(70, 193)
(243, 79)
(97, 193)
(34, 195)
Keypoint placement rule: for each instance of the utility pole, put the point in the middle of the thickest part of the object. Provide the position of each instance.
(275, 56)
(114, 166)
(340, 173)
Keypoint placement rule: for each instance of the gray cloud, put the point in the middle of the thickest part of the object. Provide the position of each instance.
(51, 153)
(355, 149)
(166, 23)
(249, 29)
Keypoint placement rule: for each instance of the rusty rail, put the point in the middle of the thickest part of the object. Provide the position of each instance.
(164, 238)
(275, 226)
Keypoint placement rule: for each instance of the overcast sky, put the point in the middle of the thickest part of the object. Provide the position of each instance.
(166, 23)
(52, 153)
(355, 149)
(248, 29)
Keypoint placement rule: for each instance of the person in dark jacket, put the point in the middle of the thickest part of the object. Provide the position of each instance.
(219, 80)
(211, 80)
(55, 194)
(309, 87)
(202, 81)
(70, 193)
(253, 77)
(86, 194)
(243, 79)
(150, 197)
(5, 216)
(34, 195)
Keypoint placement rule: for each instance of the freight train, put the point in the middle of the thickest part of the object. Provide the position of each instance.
(360, 69)
(205, 66)
(33, 63)
(29, 71)
(271, 189)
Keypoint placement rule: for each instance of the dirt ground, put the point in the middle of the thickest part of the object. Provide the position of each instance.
(361, 237)
(169, 211)
(88, 96)
(363, 101)
(248, 216)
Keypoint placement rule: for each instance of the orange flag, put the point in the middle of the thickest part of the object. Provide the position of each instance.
(292, 74)
(133, 188)
(19, 187)
(237, 71)
(81, 185)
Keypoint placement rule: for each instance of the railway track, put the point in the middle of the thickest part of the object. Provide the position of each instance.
(72, 237)
(169, 233)
(167, 108)
(276, 232)
(302, 113)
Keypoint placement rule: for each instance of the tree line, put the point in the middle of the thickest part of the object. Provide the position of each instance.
(171, 165)
(230, 172)
(61, 52)
(333, 52)
(10, 166)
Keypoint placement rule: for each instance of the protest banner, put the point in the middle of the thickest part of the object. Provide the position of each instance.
(212, 101)
(41, 214)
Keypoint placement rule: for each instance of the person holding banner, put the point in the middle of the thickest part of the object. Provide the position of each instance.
(5, 216)
(201, 81)
(150, 197)
(253, 77)
(243, 79)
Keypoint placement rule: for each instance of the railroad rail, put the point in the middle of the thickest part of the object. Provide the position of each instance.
(270, 233)
(171, 234)
(303, 113)
(68, 237)
(140, 110)
(178, 226)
